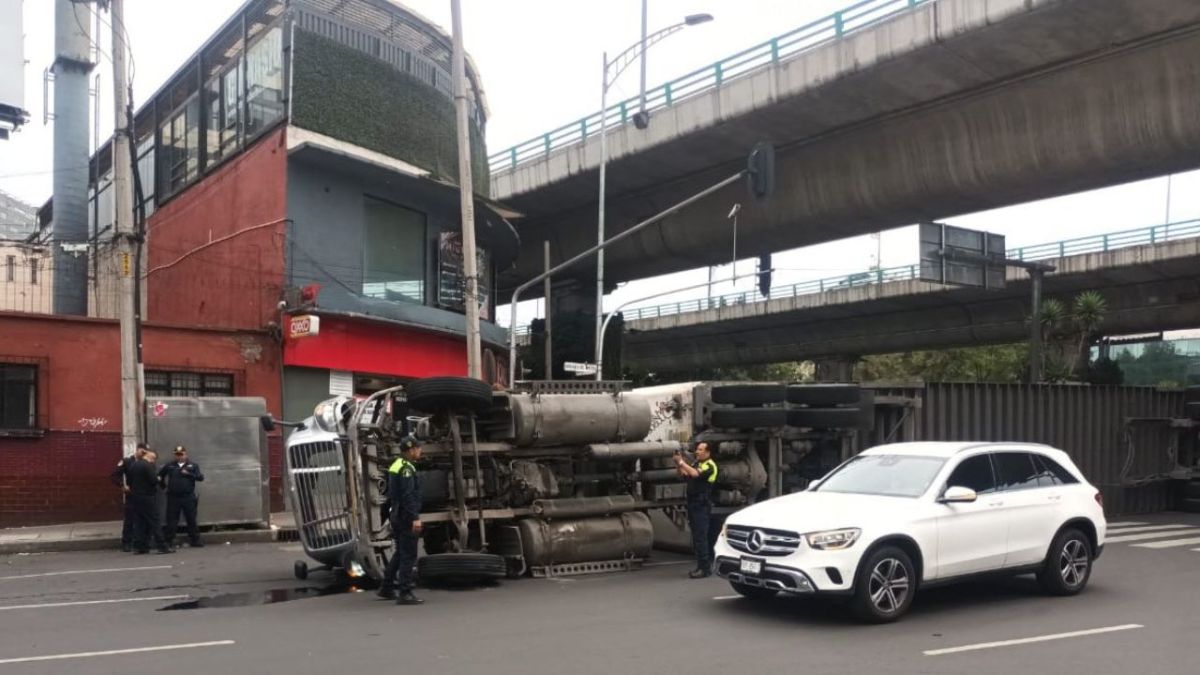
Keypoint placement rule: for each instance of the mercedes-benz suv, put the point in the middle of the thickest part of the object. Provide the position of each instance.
(901, 517)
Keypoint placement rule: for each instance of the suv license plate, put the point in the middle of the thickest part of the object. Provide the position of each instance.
(751, 566)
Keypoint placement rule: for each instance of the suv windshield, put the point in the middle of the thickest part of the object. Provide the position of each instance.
(887, 475)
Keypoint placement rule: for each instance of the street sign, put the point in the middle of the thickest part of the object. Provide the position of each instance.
(304, 326)
(580, 369)
(956, 255)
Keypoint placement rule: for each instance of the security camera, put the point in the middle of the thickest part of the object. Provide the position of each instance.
(282, 305)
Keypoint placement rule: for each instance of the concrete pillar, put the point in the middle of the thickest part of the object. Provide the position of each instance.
(836, 368)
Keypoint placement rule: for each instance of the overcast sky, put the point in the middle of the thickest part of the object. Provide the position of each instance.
(540, 62)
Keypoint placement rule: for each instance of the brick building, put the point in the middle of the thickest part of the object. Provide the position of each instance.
(302, 162)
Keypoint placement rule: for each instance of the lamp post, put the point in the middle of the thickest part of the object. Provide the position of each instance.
(619, 63)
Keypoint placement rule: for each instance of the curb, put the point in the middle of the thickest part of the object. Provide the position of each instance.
(114, 543)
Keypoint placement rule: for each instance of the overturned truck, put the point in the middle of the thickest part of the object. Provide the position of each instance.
(551, 478)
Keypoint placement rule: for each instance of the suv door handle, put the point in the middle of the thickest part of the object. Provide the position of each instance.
(999, 503)
(1055, 498)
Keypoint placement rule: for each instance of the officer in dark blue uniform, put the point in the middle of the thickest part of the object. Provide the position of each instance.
(179, 479)
(700, 476)
(404, 513)
(120, 478)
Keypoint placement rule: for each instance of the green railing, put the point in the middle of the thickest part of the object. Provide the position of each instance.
(771, 52)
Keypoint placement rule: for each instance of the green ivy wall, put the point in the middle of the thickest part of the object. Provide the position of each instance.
(346, 94)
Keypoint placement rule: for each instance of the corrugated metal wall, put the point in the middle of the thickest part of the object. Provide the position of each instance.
(1088, 422)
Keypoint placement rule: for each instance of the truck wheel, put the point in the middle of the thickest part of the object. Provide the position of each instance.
(824, 418)
(438, 394)
(748, 394)
(461, 568)
(748, 418)
(823, 394)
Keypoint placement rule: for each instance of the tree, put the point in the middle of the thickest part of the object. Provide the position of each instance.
(995, 363)
(1067, 333)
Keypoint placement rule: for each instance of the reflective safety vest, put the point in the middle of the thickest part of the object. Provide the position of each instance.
(403, 467)
(705, 466)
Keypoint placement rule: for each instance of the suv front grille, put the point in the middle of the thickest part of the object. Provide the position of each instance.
(761, 540)
(318, 479)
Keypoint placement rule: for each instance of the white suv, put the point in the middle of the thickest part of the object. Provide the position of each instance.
(911, 515)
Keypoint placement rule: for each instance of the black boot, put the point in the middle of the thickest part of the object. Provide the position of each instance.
(196, 544)
(699, 573)
(407, 598)
(386, 593)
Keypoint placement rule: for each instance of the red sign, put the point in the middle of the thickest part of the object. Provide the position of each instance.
(380, 349)
(304, 326)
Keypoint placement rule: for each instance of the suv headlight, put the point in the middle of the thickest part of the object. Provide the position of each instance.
(833, 540)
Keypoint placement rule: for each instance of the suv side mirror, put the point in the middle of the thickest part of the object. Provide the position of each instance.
(267, 422)
(958, 495)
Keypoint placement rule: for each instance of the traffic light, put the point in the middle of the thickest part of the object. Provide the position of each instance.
(764, 275)
(760, 171)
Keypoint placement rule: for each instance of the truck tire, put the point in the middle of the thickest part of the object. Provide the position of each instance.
(825, 418)
(459, 394)
(748, 418)
(461, 568)
(821, 395)
(748, 394)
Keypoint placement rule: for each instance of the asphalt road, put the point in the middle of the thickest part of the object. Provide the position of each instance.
(652, 620)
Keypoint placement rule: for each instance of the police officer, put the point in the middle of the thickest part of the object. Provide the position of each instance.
(404, 500)
(120, 478)
(143, 492)
(700, 476)
(179, 479)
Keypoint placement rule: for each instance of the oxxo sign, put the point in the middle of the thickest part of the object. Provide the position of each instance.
(304, 326)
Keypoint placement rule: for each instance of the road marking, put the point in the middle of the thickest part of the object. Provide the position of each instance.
(103, 571)
(1151, 528)
(667, 562)
(45, 605)
(1170, 543)
(1126, 523)
(1030, 640)
(1150, 535)
(726, 597)
(113, 652)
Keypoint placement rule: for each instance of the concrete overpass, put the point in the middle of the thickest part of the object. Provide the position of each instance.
(940, 107)
(1150, 277)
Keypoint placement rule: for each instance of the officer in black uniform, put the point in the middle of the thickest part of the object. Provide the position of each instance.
(404, 500)
(120, 478)
(179, 479)
(143, 491)
(700, 476)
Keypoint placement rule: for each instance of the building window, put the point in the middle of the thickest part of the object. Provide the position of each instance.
(145, 168)
(180, 142)
(224, 100)
(33, 270)
(264, 79)
(172, 383)
(10, 268)
(393, 252)
(18, 396)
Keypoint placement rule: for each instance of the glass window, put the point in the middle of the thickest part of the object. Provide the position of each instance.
(180, 141)
(145, 167)
(974, 473)
(264, 81)
(1015, 470)
(10, 268)
(1051, 472)
(452, 283)
(888, 475)
(169, 383)
(393, 252)
(18, 396)
(33, 270)
(224, 99)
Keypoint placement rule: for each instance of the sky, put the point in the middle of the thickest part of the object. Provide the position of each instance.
(540, 63)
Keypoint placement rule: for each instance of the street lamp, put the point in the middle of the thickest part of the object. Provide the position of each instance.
(619, 64)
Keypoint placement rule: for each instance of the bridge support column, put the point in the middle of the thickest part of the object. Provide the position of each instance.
(836, 368)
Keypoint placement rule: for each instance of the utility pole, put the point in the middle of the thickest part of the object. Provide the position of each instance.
(1036, 274)
(548, 369)
(466, 191)
(642, 64)
(125, 239)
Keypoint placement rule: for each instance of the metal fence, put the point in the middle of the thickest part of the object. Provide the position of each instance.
(769, 53)
(1118, 436)
(1059, 249)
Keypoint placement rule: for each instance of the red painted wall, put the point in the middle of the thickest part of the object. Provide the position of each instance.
(63, 476)
(198, 279)
(378, 348)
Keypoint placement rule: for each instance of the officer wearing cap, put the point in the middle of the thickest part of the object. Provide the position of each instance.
(404, 513)
(120, 478)
(700, 476)
(179, 479)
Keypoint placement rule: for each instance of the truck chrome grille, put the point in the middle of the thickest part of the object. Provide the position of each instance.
(318, 475)
(762, 541)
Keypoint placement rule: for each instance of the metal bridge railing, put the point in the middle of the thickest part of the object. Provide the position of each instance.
(769, 53)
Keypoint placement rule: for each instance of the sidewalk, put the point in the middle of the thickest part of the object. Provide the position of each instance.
(107, 535)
